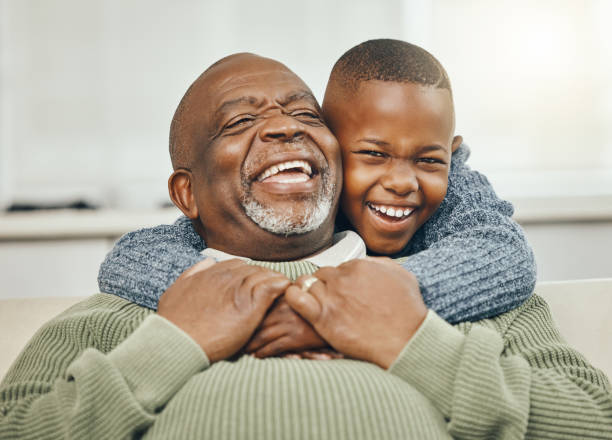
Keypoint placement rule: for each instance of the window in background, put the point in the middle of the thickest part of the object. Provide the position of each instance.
(532, 89)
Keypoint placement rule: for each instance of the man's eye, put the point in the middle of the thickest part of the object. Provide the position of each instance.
(241, 121)
(306, 114)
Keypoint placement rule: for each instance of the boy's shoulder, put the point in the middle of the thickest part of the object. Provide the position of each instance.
(461, 155)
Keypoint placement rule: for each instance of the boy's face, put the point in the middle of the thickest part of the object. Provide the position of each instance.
(396, 141)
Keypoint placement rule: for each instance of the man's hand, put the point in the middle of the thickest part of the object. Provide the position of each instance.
(220, 305)
(283, 331)
(366, 309)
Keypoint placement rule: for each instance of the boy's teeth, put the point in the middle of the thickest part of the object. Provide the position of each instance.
(392, 212)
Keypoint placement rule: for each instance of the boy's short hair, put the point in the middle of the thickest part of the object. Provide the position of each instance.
(388, 60)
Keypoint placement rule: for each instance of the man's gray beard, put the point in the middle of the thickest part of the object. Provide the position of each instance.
(283, 223)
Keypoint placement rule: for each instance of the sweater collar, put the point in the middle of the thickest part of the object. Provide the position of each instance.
(347, 246)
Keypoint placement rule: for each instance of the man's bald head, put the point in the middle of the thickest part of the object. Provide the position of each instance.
(188, 128)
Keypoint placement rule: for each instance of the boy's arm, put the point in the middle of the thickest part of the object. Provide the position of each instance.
(144, 263)
(471, 259)
(514, 383)
(57, 388)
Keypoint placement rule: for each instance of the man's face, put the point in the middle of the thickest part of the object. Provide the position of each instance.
(265, 160)
(396, 141)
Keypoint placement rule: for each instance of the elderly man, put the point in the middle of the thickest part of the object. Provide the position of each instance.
(108, 368)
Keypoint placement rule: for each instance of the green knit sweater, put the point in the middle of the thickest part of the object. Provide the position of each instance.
(107, 368)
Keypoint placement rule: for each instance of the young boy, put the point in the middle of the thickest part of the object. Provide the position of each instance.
(389, 103)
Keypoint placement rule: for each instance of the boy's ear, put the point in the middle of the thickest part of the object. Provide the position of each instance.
(181, 192)
(457, 140)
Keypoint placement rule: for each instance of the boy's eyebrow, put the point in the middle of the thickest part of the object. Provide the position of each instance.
(434, 147)
(375, 142)
(384, 144)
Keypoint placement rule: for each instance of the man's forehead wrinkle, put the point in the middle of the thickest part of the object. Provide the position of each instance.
(242, 79)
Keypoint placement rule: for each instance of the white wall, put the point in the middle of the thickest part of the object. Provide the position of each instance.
(571, 250)
(89, 87)
(87, 90)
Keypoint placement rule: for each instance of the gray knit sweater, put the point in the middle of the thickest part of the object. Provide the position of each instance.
(471, 259)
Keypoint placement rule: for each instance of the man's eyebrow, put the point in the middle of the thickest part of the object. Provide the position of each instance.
(250, 100)
(299, 96)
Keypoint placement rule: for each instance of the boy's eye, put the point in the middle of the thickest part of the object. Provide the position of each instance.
(431, 160)
(371, 153)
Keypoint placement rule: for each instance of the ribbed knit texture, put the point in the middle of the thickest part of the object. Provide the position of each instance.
(108, 368)
(471, 259)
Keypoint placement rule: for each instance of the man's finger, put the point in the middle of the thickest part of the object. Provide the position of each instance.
(198, 267)
(261, 275)
(292, 356)
(304, 303)
(265, 292)
(315, 355)
(274, 348)
(326, 273)
(265, 336)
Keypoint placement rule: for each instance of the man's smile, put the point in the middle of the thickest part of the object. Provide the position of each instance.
(287, 172)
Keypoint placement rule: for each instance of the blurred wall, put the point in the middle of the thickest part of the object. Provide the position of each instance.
(87, 88)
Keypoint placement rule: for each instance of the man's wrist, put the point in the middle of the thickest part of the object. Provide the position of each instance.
(395, 346)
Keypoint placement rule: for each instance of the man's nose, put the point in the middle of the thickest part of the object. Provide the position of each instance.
(280, 127)
(400, 179)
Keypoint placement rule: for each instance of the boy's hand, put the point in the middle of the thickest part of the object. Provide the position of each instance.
(366, 309)
(284, 331)
(220, 305)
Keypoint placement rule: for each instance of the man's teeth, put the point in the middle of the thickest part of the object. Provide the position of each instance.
(300, 165)
(392, 212)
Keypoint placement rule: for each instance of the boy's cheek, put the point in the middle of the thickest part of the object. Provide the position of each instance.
(434, 187)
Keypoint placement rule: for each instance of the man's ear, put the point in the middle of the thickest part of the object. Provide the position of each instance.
(457, 140)
(181, 192)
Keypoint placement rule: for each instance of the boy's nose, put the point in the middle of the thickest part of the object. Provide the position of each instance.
(280, 127)
(400, 179)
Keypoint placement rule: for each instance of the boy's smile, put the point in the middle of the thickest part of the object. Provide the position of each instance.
(397, 141)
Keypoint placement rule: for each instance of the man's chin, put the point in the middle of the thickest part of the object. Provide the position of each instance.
(295, 218)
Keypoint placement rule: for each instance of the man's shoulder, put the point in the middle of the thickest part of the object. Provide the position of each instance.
(532, 318)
